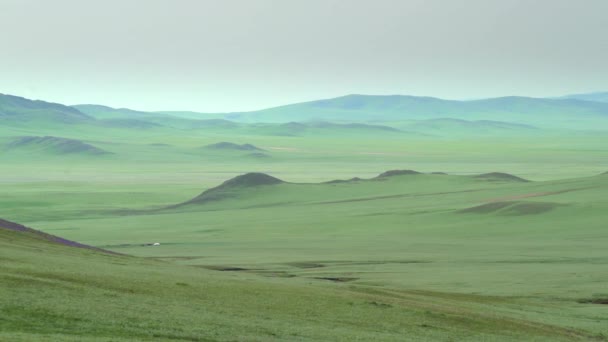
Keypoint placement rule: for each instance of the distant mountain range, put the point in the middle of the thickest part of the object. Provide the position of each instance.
(368, 108)
(571, 111)
(596, 97)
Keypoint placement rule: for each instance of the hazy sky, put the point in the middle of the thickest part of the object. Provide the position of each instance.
(230, 55)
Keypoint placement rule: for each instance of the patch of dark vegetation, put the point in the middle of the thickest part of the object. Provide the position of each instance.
(224, 268)
(438, 173)
(601, 301)
(222, 191)
(530, 208)
(379, 304)
(275, 274)
(55, 145)
(304, 264)
(338, 279)
(48, 237)
(585, 261)
(500, 177)
(370, 262)
(175, 257)
(392, 173)
(512, 208)
(224, 145)
(486, 208)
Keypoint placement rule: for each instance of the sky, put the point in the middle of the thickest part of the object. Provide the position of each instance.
(239, 55)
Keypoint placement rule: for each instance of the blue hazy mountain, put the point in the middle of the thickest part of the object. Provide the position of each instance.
(595, 97)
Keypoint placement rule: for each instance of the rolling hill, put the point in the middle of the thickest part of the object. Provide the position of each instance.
(258, 189)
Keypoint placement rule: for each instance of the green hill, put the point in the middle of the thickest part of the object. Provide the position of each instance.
(260, 190)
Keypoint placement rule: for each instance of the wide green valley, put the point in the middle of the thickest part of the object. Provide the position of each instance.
(303, 170)
(217, 229)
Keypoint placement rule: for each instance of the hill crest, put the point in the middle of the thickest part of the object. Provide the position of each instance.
(222, 191)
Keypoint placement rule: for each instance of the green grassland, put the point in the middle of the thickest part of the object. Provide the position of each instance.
(412, 256)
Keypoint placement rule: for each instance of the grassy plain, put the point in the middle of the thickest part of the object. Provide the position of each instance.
(410, 257)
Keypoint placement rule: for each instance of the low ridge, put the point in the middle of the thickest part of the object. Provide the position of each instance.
(224, 145)
(56, 145)
(500, 176)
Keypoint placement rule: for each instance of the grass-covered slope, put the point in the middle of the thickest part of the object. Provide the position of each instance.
(52, 291)
(495, 247)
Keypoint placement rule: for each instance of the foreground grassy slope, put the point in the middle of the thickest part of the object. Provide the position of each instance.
(537, 246)
(50, 291)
